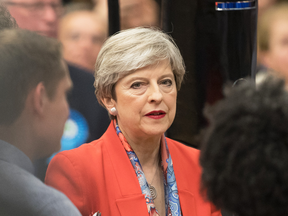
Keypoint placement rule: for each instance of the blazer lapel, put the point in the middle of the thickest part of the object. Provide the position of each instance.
(187, 199)
(132, 201)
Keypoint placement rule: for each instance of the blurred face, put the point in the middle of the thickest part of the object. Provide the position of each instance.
(264, 4)
(146, 101)
(136, 13)
(56, 114)
(40, 16)
(277, 56)
(82, 36)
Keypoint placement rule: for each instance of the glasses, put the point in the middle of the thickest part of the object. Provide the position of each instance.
(38, 7)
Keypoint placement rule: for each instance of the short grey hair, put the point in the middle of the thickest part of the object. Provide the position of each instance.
(130, 50)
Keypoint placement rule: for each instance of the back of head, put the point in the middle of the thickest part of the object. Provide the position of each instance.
(6, 20)
(26, 59)
(130, 50)
(245, 154)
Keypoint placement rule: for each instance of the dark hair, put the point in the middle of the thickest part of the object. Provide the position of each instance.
(245, 153)
(6, 20)
(26, 59)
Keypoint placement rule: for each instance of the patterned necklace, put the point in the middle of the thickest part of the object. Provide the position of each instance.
(152, 189)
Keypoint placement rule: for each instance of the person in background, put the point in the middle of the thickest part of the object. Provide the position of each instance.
(82, 34)
(33, 111)
(88, 120)
(245, 154)
(263, 5)
(139, 13)
(273, 41)
(133, 13)
(133, 169)
(40, 16)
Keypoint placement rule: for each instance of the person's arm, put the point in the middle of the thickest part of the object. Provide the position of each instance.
(63, 175)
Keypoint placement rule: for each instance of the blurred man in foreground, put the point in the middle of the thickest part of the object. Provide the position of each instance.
(245, 155)
(88, 120)
(34, 82)
(42, 16)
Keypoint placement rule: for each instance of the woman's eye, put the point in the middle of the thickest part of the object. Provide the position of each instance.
(167, 82)
(136, 85)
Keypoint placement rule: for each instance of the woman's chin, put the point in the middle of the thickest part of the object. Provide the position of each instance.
(155, 131)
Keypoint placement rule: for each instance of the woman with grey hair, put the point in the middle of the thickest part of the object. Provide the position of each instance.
(133, 169)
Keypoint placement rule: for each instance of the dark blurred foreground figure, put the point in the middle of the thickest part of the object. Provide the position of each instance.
(245, 155)
(33, 110)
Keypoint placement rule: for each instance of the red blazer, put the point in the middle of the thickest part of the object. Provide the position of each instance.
(99, 177)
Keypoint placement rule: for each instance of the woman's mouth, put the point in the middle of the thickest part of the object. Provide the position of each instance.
(157, 114)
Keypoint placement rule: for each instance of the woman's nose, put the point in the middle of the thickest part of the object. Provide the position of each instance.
(155, 94)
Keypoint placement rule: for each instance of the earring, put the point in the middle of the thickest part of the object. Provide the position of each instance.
(114, 111)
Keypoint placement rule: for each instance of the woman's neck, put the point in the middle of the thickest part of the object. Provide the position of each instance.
(147, 150)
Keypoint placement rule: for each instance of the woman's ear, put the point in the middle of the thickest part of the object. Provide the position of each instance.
(110, 105)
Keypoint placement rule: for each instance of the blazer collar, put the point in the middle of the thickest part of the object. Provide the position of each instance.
(132, 199)
(187, 199)
(122, 166)
(131, 192)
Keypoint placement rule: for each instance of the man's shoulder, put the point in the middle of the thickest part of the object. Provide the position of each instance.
(23, 193)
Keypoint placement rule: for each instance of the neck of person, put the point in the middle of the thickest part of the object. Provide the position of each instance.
(16, 134)
(147, 150)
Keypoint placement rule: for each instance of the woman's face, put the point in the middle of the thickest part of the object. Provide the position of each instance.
(146, 101)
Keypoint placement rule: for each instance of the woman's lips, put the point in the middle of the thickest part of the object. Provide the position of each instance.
(158, 114)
